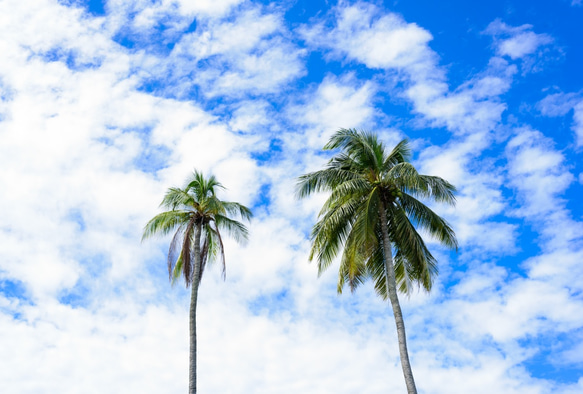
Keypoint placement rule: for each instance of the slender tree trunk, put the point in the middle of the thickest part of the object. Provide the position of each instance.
(193, 299)
(392, 289)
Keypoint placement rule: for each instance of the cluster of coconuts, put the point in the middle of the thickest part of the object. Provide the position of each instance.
(396, 193)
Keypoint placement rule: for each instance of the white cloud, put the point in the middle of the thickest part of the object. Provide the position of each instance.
(228, 38)
(209, 7)
(578, 124)
(559, 104)
(251, 116)
(248, 54)
(479, 198)
(516, 42)
(77, 349)
(538, 171)
(522, 44)
(139, 16)
(336, 103)
(379, 42)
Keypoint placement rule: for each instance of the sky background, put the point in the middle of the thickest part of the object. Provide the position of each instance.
(106, 104)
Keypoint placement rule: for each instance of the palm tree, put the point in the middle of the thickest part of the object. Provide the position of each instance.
(197, 217)
(371, 214)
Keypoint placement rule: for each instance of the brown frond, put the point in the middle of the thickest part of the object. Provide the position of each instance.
(222, 251)
(187, 253)
(172, 251)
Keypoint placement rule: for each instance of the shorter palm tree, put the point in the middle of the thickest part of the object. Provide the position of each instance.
(371, 214)
(196, 216)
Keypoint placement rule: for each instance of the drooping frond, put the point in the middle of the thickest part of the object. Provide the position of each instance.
(404, 274)
(220, 251)
(375, 266)
(204, 255)
(352, 264)
(423, 217)
(362, 241)
(234, 228)
(440, 189)
(370, 218)
(331, 231)
(409, 244)
(236, 209)
(173, 252)
(187, 250)
(176, 271)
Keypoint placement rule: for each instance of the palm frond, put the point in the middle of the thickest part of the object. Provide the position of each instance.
(370, 215)
(221, 252)
(321, 181)
(404, 274)
(362, 147)
(202, 187)
(375, 266)
(361, 242)
(187, 250)
(236, 209)
(352, 265)
(234, 228)
(349, 192)
(204, 255)
(423, 217)
(172, 250)
(440, 189)
(176, 271)
(401, 153)
(330, 233)
(405, 177)
(176, 198)
(164, 223)
(422, 266)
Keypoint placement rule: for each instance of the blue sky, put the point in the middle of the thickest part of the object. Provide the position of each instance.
(104, 105)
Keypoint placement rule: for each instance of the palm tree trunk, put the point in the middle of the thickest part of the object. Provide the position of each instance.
(193, 299)
(392, 290)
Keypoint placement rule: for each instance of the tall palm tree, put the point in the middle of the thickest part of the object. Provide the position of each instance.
(371, 214)
(196, 216)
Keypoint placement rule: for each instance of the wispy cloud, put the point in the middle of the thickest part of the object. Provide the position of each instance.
(559, 104)
(516, 42)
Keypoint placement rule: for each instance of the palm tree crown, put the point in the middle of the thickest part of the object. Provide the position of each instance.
(196, 205)
(372, 214)
(361, 178)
